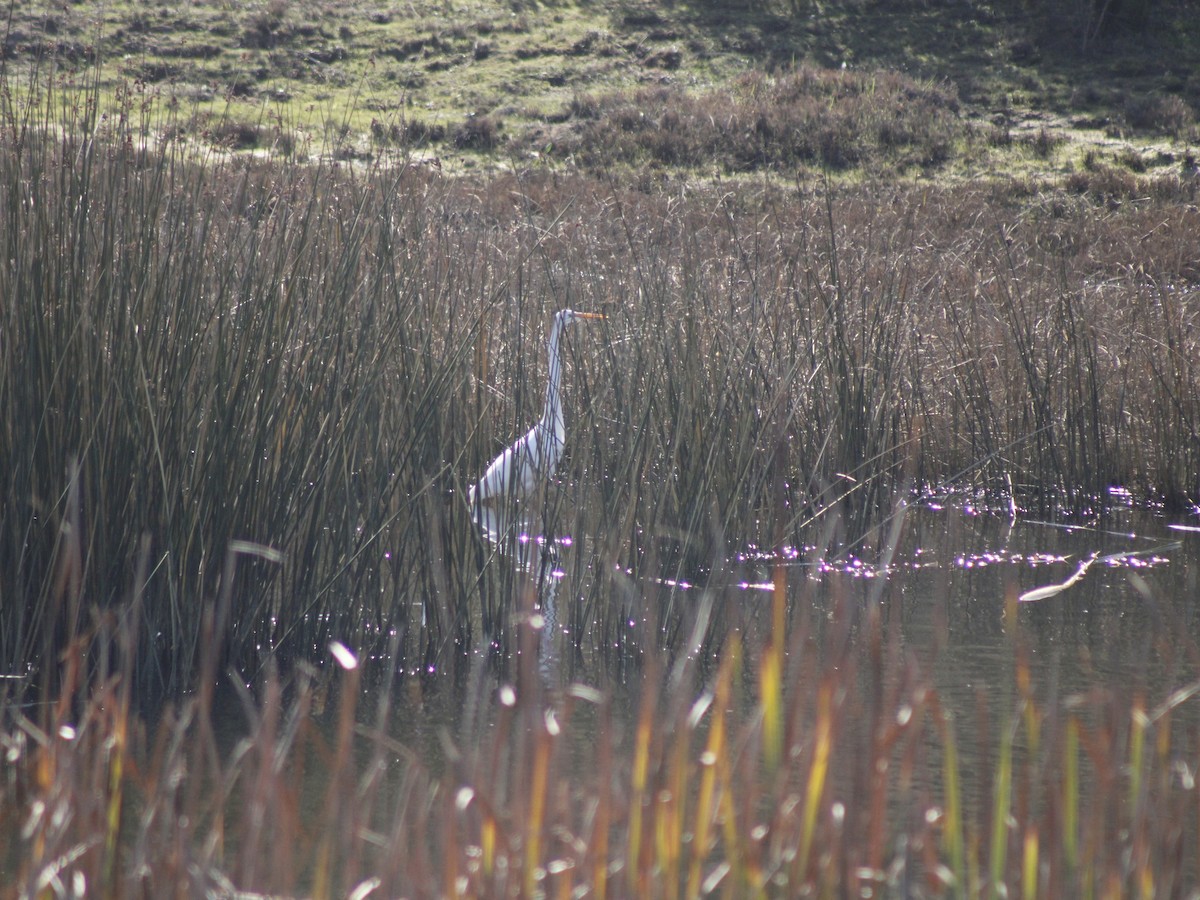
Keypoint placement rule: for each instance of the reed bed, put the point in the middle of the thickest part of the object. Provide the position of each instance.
(818, 758)
(317, 360)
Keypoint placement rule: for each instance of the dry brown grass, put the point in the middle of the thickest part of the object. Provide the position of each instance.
(839, 120)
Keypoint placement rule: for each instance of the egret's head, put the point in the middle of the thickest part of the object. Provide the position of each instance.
(567, 316)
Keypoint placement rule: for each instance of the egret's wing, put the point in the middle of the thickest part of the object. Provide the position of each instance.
(517, 471)
(512, 473)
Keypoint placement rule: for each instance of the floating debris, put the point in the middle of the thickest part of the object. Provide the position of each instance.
(1050, 590)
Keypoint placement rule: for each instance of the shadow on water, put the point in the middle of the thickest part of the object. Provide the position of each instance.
(947, 598)
(903, 651)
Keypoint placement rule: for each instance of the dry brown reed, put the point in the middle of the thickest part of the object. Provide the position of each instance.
(318, 359)
(240, 402)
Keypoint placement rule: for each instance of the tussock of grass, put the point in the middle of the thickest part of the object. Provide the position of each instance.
(835, 119)
(1163, 114)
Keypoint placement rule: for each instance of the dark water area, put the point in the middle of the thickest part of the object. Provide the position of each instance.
(1127, 627)
(1130, 622)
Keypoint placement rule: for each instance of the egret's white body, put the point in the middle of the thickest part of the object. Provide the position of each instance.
(530, 461)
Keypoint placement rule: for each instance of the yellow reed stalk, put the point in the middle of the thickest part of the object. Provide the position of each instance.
(770, 691)
(487, 844)
(1071, 793)
(537, 810)
(771, 675)
(46, 768)
(1144, 877)
(999, 847)
(1145, 881)
(1029, 867)
(637, 799)
(660, 827)
(1033, 726)
(321, 873)
(952, 826)
(816, 775)
(1137, 747)
(713, 751)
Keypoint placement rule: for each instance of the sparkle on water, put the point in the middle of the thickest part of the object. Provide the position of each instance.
(956, 562)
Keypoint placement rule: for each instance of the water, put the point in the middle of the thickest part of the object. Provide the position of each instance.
(1119, 624)
(1130, 619)
(947, 597)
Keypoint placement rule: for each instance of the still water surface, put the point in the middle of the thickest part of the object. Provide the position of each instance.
(1131, 622)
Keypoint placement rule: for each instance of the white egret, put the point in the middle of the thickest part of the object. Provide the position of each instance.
(530, 461)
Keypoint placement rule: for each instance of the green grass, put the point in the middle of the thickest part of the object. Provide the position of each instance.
(344, 79)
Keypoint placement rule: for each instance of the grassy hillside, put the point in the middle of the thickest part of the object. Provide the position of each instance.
(930, 88)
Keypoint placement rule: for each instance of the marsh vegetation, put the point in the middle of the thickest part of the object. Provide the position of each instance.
(242, 400)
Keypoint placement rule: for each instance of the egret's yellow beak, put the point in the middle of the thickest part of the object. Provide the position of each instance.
(580, 315)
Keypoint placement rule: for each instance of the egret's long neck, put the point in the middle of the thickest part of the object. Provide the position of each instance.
(552, 416)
